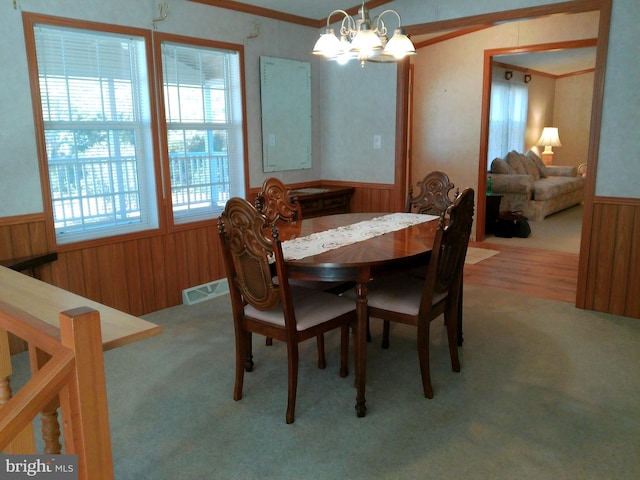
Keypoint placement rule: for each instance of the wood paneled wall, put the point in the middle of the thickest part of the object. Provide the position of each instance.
(145, 274)
(611, 268)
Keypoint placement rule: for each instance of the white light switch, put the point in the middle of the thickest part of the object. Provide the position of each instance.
(272, 139)
(377, 142)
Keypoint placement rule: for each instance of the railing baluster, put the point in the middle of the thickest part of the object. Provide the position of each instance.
(49, 415)
(51, 430)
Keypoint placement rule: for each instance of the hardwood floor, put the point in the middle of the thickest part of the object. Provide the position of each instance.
(539, 273)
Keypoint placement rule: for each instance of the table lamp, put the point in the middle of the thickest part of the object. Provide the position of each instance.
(549, 139)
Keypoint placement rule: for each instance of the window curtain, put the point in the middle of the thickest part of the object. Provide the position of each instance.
(507, 118)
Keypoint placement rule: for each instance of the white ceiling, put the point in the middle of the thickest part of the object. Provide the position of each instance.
(559, 62)
(554, 63)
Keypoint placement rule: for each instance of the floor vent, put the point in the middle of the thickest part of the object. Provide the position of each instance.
(204, 292)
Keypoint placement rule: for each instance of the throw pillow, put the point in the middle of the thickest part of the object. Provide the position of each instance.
(498, 165)
(515, 160)
(532, 168)
(542, 168)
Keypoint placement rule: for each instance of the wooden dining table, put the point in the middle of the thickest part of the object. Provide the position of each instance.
(391, 253)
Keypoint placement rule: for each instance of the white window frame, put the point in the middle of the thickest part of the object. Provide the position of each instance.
(199, 99)
(107, 188)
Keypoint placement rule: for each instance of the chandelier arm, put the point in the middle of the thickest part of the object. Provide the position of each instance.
(378, 19)
(337, 11)
(381, 28)
(349, 29)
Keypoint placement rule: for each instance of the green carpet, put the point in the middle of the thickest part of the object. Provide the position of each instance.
(546, 391)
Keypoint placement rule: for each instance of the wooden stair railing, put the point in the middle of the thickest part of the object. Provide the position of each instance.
(67, 371)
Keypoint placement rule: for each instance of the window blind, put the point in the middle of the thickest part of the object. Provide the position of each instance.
(202, 100)
(95, 105)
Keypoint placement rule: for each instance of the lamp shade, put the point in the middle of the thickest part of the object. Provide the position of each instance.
(366, 41)
(549, 138)
(399, 46)
(327, 45)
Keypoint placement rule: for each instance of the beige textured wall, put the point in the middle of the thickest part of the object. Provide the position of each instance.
(542, 98)
(572, 116)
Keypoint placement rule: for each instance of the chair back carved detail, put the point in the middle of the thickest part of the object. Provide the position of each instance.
(433, 196)
(273, 202)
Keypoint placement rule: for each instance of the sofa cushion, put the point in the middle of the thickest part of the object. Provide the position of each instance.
(552, 187)
(515, 159)
(542, 168)
(498, 165)
(562, 171)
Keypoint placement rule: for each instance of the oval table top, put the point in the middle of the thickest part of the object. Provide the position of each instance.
(405, 248)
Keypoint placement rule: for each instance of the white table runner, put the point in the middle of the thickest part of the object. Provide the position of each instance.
(320, 242)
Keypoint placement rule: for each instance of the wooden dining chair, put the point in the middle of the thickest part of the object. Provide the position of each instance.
(291, 314)
(433, 197)
(273, 202)
(416, 301)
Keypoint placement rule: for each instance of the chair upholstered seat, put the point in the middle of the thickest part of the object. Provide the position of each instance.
(312, 307)
(401, 294)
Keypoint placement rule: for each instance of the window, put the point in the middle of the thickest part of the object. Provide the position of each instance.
(97, 129)
(507, 118)
(203, 110)
(100, 131)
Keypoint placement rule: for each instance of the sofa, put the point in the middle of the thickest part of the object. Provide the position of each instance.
(527, 184)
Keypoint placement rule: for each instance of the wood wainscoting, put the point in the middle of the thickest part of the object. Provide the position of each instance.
(136, 276)
(143, 275)
(610, 273)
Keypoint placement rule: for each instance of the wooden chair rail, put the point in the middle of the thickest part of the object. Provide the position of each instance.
(67, 371)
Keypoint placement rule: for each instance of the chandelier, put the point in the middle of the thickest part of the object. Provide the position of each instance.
(363, 39)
